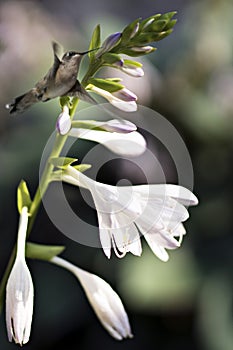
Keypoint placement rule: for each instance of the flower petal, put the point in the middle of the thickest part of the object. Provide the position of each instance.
(105, 241)
(158, 250)
(180, 193)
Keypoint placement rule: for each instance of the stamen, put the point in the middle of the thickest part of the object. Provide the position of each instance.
(119, 255)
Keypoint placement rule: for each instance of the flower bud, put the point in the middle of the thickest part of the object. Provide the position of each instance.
(109, 43)
(104, 300)
(125, 102)
(135, 30)
(142, 49)
(19, 291)
(63, 123)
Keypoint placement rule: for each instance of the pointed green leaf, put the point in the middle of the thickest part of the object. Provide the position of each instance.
(95, 42)
(105, 84)
(62, 162)
(168, 16)
(170, 24)
(42, 252)
(82, 167)
(156, 26)
(23, 196)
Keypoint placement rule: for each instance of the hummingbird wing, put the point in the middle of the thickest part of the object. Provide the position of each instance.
(56, 62)
(79, 91)
(49, 78)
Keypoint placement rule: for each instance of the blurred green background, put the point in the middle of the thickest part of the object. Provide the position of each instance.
(187, 302)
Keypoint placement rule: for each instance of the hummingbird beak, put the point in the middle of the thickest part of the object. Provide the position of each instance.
(85, 52)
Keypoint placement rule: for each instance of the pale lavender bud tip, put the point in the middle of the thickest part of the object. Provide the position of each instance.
(111, 41)
(63, 123)
(119, 63)
(119, 126)
(125, 95)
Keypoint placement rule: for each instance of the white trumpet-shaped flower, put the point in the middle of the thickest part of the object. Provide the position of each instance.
(131, 144)
(156, 211)
(118, 135)
(104, 300)
(19, 291)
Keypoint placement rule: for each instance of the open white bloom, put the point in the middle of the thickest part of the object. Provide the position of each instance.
(104, 300)
(126, 104)
(156, 211)
(19, 291)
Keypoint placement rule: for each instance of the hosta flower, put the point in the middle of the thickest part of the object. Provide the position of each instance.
(157, 211)
(127, 103)
(104, 300)
(131, 144)
(19, 291)
(63, 124)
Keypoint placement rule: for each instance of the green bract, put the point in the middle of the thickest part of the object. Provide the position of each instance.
(62, 162)
(42, 252)
(82, 167)
(95, 42)
(23, 196)
(106, 84)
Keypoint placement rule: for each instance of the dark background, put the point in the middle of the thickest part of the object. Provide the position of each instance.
(187, 302)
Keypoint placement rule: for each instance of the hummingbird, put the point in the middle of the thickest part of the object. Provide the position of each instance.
(61, 80)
